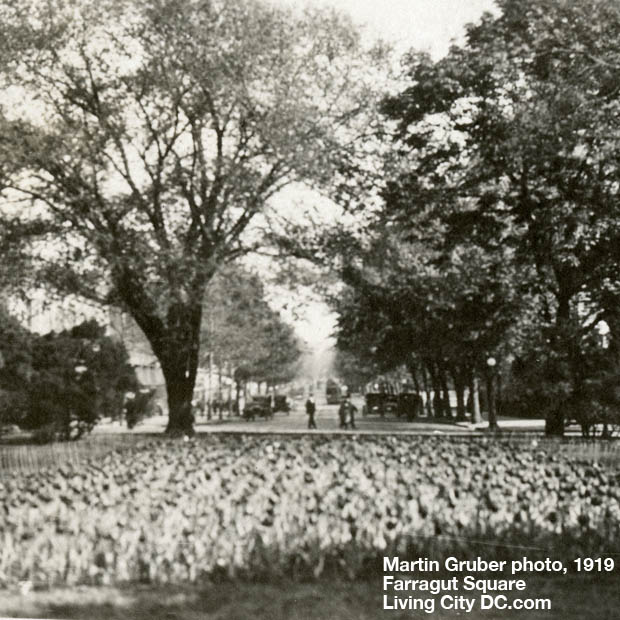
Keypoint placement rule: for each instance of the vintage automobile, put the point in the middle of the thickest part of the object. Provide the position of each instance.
(333, 392)
(258, 406)
(280, 403)
(380, 398)
(410, 405)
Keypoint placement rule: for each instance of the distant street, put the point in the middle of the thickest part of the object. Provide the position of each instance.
(327, 421)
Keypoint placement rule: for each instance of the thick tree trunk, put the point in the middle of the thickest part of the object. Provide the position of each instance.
(180, 389)
(554, 422)
(178, 356)
(175, 339)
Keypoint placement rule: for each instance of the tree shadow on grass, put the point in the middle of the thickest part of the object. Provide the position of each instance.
(573, 597)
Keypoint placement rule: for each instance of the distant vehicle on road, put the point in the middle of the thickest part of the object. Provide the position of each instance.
(297, 392)
(258, 406)
(380, 402)
(280, 403)
(333, 393)
(380, 399)
(410, 405)
(383, 397)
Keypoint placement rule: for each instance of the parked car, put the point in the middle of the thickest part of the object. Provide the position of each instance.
(380, 398)
(258, 406)
(333, 393)
(410, 405)
(280, 403)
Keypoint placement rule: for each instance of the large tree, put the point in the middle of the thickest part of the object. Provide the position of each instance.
(512, 140)
(158, 130)
(243, 334)
(439, 313)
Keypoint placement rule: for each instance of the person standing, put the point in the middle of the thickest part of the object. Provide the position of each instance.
(343, 413)
(310, 411)
(352, 412)
(347, 413)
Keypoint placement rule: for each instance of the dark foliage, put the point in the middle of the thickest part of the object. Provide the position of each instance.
(58, 385)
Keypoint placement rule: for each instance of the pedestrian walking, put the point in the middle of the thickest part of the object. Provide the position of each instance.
(310, 411)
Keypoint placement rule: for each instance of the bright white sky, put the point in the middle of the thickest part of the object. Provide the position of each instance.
(426, 25)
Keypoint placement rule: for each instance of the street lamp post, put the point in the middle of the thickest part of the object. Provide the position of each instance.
(491, 364)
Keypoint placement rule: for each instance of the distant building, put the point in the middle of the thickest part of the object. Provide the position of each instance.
(43, 313)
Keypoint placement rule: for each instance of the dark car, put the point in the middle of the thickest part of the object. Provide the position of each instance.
(258, 406)
(333, 393)
(410, 405)
(280, 403)
(380, 402)
(380, 398)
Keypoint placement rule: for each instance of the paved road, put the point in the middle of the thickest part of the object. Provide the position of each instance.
(327, 421)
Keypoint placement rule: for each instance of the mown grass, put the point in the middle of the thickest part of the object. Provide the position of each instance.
(572, 598)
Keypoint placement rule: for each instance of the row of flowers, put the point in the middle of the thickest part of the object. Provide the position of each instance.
(263, 507)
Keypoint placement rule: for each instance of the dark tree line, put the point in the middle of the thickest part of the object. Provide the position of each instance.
(243, 335)
(158, 131)
(498, 236)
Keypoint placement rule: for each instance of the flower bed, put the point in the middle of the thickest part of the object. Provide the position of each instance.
(263, 507)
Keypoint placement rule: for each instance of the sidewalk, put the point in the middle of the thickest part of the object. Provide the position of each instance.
(327, 422)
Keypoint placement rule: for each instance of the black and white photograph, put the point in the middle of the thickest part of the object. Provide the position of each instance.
(309, 309)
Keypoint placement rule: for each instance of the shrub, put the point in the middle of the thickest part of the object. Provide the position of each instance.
(58, 385)
(138, 405)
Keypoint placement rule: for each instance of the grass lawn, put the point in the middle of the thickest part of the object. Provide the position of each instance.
(572, 598)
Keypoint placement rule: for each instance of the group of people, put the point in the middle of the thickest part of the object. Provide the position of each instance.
(346, 412)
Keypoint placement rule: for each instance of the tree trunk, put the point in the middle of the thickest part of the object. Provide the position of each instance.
(229, 391)
(237, 397)
(175, 340)
(445, 399)
(475, 399)
(492, 413)
(436, 400)
(180, 388)
(177, 352)
(459, 386)
(416, 382)
(220, 404)
(554, 421)
(427, 390)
